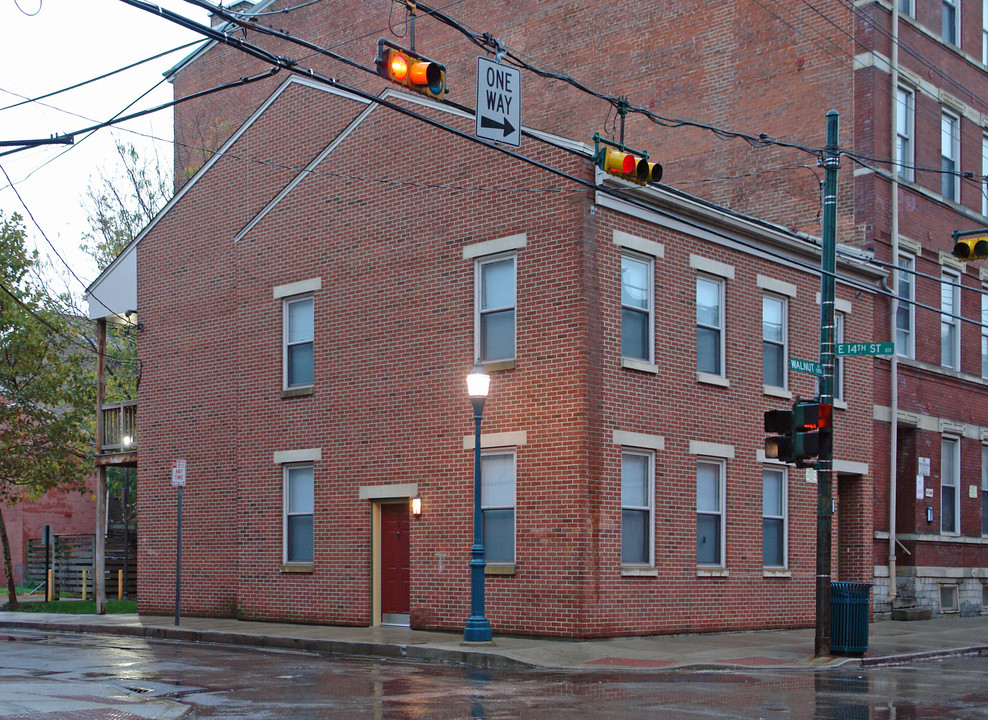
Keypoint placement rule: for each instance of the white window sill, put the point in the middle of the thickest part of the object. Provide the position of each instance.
(840, 404)
(499, 569)
(713, 572)
(302, 568)
(633, 364)
(494, 365)
(776, 392)
(711, 379)
(297, 392)
(776, 573)
(633, 571)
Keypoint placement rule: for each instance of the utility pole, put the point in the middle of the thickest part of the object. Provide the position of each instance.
(828, 263)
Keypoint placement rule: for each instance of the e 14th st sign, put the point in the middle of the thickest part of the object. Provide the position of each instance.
(498, 102)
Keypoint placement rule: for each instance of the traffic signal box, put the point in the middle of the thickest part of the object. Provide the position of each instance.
(971, 248)
(626, 163)
(408, 68)
(800, 434)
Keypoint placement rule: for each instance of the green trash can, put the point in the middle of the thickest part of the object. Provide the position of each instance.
(849, 605)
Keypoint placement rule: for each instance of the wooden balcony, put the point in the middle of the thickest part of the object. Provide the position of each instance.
(119, 433)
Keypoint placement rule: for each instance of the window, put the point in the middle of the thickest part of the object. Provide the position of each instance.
(984, 159)
(495, 320)
(636, 308)
(710, 326)
(774, 504)
(709, 513)
(774, 341)
(498, 505)
(904, 315)
(906, 7)
(904, 126)
(984, 491)
(950, 330)
(984, 32)
(951, 22)
(984, 331)
(950, 150)
(950, 499)
(636, 508)
(298, 334)
(299, 504)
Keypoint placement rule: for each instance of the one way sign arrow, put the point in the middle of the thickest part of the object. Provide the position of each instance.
(498, 102)
(486, 122)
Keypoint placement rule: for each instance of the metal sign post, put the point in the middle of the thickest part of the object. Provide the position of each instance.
(178, 480)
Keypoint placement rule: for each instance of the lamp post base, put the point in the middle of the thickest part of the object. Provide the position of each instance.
(477, 632)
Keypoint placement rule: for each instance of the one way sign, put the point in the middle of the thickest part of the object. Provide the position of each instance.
(498, 102)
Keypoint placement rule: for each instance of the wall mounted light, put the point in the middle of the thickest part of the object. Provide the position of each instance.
(416, 506)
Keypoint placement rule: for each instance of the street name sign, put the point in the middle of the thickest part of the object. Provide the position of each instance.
(178, 473)
(806, 366)
(498, 102)
(884, 348)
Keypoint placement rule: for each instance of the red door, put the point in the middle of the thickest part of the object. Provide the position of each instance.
(394, 559)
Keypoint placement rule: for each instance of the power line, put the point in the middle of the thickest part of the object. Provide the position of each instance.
(25, 101)
(250, 49)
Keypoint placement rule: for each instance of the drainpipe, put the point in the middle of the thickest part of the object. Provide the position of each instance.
(894, 365)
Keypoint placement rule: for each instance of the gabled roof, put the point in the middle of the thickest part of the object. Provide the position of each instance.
(114, 292)
(258, 7)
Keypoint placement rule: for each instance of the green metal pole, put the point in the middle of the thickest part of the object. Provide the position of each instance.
(824, 527)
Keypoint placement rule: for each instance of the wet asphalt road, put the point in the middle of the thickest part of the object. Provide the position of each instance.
(205, 681)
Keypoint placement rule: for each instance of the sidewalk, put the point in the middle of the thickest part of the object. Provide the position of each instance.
(890, 642)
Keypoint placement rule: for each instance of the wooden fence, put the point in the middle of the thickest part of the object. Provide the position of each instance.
(72, 554)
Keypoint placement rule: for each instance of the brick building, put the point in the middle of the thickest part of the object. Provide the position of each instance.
(311, 301)
(769, 71)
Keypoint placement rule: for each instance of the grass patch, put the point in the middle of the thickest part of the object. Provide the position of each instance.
(78, 607)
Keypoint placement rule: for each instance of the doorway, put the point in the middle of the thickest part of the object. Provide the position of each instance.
(395, 564)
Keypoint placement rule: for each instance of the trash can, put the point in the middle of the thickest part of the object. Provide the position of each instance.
(849, 605)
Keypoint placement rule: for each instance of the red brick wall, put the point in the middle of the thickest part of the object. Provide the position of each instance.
(68, 514)
(745, 66)
(383, 222)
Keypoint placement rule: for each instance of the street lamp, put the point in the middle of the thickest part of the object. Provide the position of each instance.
(477, 629)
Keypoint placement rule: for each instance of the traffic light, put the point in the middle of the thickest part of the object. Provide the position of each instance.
(631, 167)
(779, 446)
(801, 434)
(971, 248)
(410, 69)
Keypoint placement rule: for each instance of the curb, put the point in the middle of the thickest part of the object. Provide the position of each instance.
(332, 648)
(484, 660)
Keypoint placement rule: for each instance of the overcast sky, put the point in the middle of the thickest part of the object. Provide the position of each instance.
(63, 42)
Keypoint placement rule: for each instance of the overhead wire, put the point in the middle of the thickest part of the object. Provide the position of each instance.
(310, 73)
(78, 85)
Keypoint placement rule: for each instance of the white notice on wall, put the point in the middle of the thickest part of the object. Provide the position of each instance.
(920, 493)
(923, 467)
(178, 473)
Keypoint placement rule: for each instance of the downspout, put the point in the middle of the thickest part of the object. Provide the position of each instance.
(894, 364)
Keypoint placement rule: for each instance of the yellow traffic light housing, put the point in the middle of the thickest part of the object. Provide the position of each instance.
(970, 248)
(408, 68)
(626, 163)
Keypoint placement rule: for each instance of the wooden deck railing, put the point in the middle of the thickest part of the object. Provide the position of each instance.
(119, 424)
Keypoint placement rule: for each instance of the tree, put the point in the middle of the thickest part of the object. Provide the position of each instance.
(46, 388)
(119, 205)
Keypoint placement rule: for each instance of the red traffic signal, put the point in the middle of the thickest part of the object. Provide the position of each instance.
(631, 167)
(801, 434)
(410, 69)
